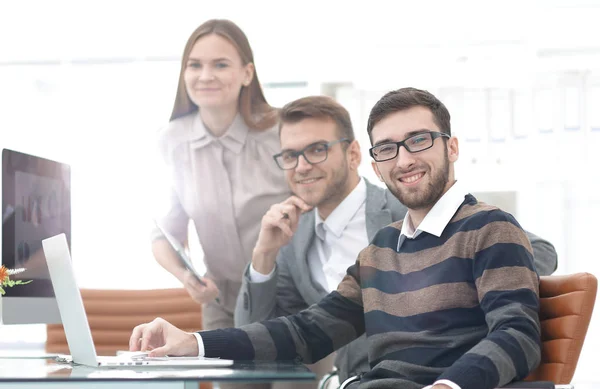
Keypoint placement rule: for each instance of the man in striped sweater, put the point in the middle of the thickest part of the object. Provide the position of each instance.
(448, 297)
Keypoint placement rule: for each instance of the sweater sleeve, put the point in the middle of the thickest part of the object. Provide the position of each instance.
(307, 336)
(508, 292)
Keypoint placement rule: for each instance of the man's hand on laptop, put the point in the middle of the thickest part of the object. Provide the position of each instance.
(160, 338)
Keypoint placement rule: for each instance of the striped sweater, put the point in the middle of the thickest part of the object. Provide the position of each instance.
(461, 307)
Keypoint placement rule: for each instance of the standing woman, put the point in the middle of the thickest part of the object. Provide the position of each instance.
(218, 147)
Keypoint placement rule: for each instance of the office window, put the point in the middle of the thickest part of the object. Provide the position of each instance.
(454, 100)
(475, 115)
(572, 108)
(545, 109)
(592, 108)
(500, 114)
(279, 94)
(522, 113)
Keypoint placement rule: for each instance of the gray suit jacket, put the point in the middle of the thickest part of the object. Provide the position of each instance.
(292, 289)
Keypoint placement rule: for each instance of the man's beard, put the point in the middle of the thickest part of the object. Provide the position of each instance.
(430, 195)
(333, 192)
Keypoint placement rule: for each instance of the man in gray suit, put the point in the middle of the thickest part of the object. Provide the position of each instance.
(334, 214)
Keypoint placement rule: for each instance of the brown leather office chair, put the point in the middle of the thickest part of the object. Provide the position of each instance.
(566, 306)
(112, 314)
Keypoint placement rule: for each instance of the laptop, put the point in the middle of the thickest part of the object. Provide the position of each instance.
(75, 323)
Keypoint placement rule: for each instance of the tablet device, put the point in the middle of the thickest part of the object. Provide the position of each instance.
(183, 257)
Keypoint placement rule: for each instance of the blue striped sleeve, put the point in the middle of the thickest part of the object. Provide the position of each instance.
(308, 336)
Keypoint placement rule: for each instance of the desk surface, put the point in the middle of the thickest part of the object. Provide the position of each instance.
(47, 370)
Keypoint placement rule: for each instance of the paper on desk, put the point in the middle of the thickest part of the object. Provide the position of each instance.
(132, 354)
(144, 355)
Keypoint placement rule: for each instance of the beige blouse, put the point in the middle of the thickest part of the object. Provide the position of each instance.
(225, 185)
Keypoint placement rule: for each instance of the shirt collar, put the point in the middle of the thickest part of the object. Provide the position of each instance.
(233, 139)
(341, 216)
(439, 216)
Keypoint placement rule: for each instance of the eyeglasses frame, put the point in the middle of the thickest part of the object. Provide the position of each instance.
(434, 136)
(301, 153)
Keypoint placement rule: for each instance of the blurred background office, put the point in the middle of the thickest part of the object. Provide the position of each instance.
(89, 83)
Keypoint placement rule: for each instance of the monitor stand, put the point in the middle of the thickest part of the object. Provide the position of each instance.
(34, 352)
(27, 310)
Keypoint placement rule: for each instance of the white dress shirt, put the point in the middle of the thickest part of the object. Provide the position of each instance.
(200, 344)
(434, 223)
(437, 218)
(338, 240)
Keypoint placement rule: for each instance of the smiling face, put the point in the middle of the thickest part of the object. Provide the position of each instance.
(419, 179)
(327, 183)
(214, 73)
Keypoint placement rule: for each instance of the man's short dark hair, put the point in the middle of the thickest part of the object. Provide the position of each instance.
(405, 98)
(318, 107)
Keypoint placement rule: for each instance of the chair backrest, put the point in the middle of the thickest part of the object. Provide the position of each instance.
(566, 305)
(112, 314)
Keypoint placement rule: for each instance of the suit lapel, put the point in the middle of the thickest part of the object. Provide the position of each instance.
(303, 239)
(377, 216)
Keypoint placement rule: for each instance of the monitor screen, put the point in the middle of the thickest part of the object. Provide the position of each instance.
(36, 204)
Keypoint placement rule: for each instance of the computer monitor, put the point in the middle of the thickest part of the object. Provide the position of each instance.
(36, 204)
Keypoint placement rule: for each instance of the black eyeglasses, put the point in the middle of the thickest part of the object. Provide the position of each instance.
(414, 144)
(313, 154)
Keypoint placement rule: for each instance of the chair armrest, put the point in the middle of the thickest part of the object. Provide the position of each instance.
(349, 381)
(328, 379)
(513, 385)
